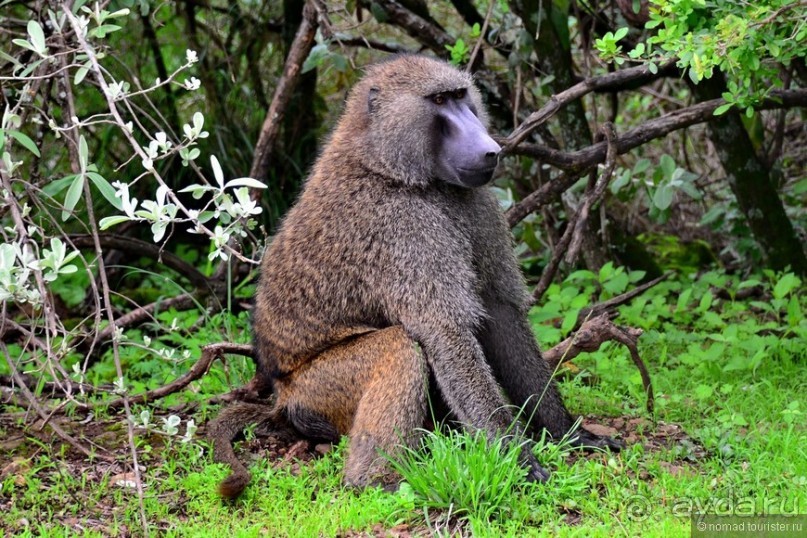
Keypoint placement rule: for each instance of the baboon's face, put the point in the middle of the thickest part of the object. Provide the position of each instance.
(466, 154)
(418, 120)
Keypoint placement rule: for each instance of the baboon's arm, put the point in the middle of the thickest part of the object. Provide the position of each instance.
(464, 377)
(512, 352)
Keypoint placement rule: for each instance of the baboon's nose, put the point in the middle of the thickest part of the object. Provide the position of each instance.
(491, 159)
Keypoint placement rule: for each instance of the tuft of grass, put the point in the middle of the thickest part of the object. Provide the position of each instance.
(463, 473)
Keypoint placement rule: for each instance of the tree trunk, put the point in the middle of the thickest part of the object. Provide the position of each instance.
(750, 181)
(555, 58)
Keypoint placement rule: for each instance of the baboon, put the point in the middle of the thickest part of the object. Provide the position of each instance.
(395, 266)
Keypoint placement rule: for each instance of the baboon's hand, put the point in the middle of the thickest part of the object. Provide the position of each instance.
(535, 473)
(583, 438)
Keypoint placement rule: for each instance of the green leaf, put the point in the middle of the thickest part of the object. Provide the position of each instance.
(800, 187)
(106, 190)
(786, 284)
(712, 215)
(245, 182)
(706, 302)
(55, 187)
(641, 166)
(315, 57)
(83, 153)
(73, 196)
(102, 31)
(24, 44)
(703, 392)
(667, 165)
(722, 109)
(108, 222)
(794, 313)
(81, 72)
(37, 37)
(621, 180)
(683, 300)
(663, 197)
(569, 321)
(25, 141)
(619, 34)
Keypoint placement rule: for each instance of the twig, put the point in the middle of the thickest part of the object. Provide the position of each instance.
(210, 353)
(594, 195)
(612, 303)
(33, 403)
(482, 34)
(180, 302)
(557, 101)
(300, 48)
(593, 334)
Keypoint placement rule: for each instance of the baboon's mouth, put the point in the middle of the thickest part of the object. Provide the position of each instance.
(475, 177)
(477, 170)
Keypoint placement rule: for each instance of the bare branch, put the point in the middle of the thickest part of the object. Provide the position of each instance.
(611, 304)
(138, 247)
(556, 102)
(420, 29)
(210, 353)
(300, 48)
(593, 334)
(650, 130)
(548, 192)
(593, 195)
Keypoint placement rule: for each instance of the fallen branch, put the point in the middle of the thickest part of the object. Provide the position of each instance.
(593, 334)
(210, 353)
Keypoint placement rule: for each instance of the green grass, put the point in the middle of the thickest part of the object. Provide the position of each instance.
(730, 373)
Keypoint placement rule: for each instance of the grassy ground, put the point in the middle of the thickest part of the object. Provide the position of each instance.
(728, 436)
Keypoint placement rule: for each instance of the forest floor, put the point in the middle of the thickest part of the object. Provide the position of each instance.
(728, 435)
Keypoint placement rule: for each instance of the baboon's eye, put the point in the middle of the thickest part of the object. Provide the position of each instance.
(459, 94)
(439, 99)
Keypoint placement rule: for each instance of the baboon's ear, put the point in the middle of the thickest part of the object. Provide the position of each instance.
(372, 100)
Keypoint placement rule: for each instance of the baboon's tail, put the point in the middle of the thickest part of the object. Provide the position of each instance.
(223, 429)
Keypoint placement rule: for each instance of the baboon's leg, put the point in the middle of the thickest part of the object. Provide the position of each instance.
(372, 388)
